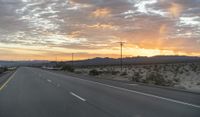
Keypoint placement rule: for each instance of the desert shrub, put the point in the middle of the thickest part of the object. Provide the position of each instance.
(181, 72)
(110, 72)
(123, 74)
(67, 68)
(136, 77)
(194, 67)
(78, 72)
(176, 70)
(156, 68)
(157, 79)
(94, 72)
(3, 69)
(115, 72)
(169, 83)
(176, 80)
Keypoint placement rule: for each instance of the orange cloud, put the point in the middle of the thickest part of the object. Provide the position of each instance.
(103, 26)
(175, 9)
(101, 12)
(75, 34)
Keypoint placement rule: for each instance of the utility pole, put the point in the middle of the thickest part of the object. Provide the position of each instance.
(121, 52)
(72, 59)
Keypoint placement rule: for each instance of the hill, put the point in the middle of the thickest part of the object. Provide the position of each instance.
(137, 60)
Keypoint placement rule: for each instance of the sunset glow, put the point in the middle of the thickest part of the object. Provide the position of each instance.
(50, 29)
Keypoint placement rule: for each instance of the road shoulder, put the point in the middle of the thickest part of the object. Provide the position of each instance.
(121, 81)
(4, 78)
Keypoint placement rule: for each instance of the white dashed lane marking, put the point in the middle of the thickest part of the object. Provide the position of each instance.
(75, 95)
(49, 80)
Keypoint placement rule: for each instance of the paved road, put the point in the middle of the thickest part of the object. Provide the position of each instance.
(32, 92)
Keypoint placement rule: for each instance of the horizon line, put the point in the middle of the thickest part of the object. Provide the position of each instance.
(101, 57)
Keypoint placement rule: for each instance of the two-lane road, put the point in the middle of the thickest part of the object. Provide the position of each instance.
(32, 92)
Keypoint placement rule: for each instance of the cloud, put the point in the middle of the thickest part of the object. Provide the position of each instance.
(103, 26)
(102, 12)
(84, 25)
(175, 9)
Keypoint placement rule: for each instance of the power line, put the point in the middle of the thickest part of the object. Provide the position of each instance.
(121, 53)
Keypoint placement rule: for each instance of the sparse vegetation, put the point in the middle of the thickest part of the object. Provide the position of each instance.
(155, 78)
(123, 73)
(78, 72)
(115, 72)
(3, 69)
(94, 72)
(185, 75)
(67, 68)
(176, 80)
(136, 77)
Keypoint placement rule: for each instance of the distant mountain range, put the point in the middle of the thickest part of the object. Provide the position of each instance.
(108, 61)
(137, 60)
(21, 63)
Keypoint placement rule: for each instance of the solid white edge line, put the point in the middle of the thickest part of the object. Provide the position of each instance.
(77, 96)
(141, 93)
(147, 94)
(133, 84)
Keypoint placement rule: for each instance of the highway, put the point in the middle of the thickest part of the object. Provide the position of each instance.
(32, 92)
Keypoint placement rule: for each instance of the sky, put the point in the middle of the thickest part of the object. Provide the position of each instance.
(53, 29)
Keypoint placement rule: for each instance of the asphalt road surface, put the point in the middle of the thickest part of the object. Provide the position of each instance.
(32, 92)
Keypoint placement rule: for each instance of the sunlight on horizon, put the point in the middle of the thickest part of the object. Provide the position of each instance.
(44, 30)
